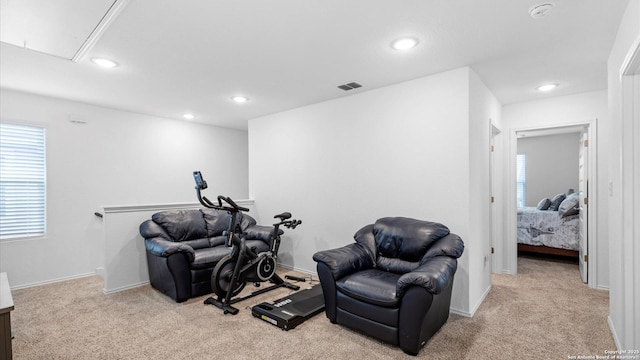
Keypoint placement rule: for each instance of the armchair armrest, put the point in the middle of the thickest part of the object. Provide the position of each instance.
(433, 275)
(449, 245)
(161, 247)
(345, 260)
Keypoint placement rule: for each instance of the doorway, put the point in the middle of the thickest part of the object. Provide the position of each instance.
(583, 212)
(495, 186)
(589, 254)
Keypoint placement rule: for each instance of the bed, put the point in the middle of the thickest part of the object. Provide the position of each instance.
(545, 230)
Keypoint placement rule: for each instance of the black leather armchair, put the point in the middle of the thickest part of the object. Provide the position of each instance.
(394, 283)
(183, 247)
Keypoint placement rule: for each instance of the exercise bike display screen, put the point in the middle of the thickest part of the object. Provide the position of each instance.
(199, 181)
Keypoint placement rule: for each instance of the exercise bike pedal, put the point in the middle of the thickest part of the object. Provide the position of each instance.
(210, 301)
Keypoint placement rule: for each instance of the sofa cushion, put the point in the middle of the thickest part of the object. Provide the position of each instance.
(405, 238)
(257, 245)
(244, 222)
(207, 257)
(217, 221)
(260, 232)
(197, 243)
(372, 286)
(365, 237)
(396, 265)
(374, 313)
(218, 241)
(182, 224)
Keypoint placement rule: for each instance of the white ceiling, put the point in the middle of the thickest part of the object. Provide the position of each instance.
(48, 26)
(193, 55)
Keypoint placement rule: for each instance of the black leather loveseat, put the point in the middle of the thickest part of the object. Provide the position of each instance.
(183, 247)
(394, 283)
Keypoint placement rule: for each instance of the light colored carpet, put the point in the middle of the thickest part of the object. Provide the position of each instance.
(544, 312)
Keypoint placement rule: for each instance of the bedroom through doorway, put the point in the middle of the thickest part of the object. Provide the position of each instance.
(552, 184)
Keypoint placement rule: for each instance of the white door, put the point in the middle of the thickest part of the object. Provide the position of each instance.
(583, 185)
(493, 213)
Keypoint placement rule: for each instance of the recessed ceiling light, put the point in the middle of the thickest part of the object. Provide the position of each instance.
(104, 62)
(547, 87)
(240, 99)
(540, 10)
(404, 43)
(188, 116)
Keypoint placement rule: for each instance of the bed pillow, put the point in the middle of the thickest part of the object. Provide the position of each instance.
(543, 204)
(569, 206)
(556, 201)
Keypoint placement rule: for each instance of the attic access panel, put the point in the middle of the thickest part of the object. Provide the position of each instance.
(62, 28)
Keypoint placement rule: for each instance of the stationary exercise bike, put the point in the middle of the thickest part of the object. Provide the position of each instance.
(243, 264)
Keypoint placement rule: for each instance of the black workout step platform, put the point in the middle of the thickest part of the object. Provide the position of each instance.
(291, 311)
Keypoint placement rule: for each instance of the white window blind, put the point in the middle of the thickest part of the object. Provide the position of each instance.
(22, 181)
(521, 180)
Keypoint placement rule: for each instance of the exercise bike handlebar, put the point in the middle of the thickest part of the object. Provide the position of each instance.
(206, 202)
(201, 185)
(233, 204)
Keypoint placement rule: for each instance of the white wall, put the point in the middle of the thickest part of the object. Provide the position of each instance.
(401, 150)
(624, 312)
(484, 110)
(563, 110)
(116, 158)
(551, 165)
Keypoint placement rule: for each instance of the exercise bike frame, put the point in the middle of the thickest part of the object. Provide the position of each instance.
(240, 253)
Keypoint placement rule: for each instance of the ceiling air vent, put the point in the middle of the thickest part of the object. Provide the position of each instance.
(349, 86)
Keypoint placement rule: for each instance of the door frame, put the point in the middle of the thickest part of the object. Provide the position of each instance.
(511, 248)
(583, 185)
(627, 200)
(495, 186)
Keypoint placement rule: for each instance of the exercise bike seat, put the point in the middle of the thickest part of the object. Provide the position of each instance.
(284, 216)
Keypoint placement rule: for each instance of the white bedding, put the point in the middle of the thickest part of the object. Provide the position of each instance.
(543, 227)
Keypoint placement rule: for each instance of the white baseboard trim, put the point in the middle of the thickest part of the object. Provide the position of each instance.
(613, 333)
(602, 287)
(480, 301)
(289, 267)
(52, 281)
(128, 287)
(475, 308)
(460, 312)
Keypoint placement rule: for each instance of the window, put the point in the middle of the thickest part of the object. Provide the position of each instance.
(520, 180)
(22, 181)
